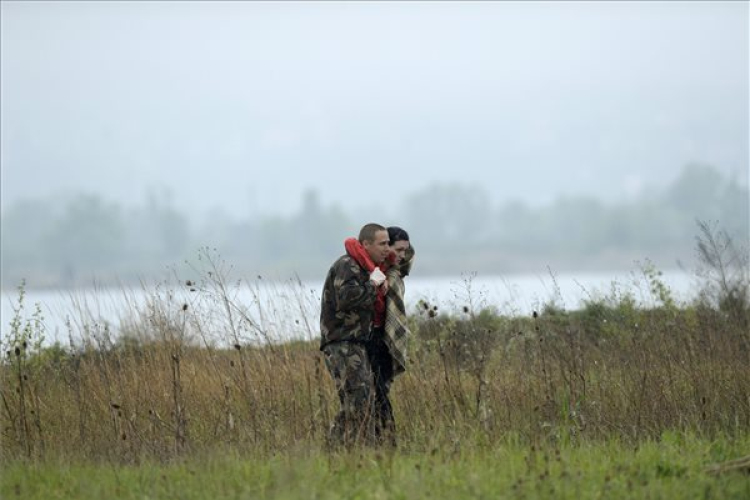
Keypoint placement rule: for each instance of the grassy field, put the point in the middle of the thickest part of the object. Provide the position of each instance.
(671, 468)
(191, 398)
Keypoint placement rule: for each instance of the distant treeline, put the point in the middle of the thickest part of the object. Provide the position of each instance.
(82, 239)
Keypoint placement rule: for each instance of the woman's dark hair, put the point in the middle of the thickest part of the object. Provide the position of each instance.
(395, 234)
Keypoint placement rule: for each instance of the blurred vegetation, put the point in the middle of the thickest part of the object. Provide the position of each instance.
(81, 239)
(673, 467)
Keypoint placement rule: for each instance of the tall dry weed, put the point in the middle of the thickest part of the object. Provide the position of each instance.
(197, 366)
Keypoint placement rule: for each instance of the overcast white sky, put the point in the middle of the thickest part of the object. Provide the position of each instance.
(244, 106)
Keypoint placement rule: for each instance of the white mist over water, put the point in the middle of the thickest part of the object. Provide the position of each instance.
(290, 310)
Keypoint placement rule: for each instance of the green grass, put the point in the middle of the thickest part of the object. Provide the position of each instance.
(671, 468)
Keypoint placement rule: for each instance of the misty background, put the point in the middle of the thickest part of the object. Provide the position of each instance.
(505, 137)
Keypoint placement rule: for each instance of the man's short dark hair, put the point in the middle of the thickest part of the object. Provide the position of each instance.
(367, 233)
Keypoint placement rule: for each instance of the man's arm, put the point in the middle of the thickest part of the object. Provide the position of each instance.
(351, 293)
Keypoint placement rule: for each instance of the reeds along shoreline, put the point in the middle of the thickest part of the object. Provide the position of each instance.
(159, 388)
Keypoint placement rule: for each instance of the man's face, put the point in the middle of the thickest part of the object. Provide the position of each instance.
(400, 247)
(378, 248)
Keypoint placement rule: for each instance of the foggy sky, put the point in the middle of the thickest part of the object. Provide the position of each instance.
(244, 106)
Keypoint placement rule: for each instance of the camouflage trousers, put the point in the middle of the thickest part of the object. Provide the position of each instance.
(350, 368)
(362, 374)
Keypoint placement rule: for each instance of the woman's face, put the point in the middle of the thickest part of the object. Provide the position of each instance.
(400, 247)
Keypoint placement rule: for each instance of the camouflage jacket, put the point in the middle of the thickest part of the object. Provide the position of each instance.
(348, 302)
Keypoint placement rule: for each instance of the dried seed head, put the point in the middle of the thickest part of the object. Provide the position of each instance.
(188, 283)
(535, 314)
(115, 406)
(18, 351)
(24, 345)
(466, 309)
(237, 346)
(184, 307)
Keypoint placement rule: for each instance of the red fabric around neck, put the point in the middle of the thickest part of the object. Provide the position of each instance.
(356, 251)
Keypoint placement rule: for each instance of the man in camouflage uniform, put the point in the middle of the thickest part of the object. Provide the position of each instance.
(347, 308)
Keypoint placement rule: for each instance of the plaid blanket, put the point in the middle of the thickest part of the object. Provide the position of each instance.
(396, 328)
